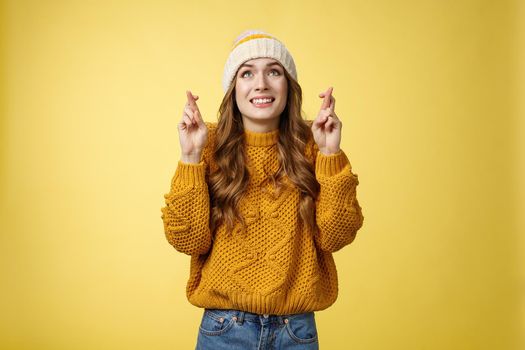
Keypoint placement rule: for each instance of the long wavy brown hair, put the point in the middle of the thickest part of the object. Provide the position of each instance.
(230, 181)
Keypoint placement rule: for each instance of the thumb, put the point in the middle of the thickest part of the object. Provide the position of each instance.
(317, 123)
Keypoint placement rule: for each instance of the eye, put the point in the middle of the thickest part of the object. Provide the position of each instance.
(243, 74)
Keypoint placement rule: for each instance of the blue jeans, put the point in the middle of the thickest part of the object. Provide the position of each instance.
(234, 329)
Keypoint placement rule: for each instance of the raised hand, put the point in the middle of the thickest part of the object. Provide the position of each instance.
(326, 128)
(193, 132)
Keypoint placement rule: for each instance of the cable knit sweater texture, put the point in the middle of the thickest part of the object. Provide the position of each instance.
(278, 266)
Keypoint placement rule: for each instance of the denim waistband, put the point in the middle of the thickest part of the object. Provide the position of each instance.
(252, 317)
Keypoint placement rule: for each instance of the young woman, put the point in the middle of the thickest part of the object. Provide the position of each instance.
(260, 200)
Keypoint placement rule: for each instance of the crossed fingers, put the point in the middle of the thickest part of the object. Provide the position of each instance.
(191, 114)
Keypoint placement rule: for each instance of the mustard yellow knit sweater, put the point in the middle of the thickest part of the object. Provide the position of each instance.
(278, 266)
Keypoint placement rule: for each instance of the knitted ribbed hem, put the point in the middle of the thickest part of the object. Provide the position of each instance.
(190, 174)
(329, 165)
(275, 304)
(261, 139)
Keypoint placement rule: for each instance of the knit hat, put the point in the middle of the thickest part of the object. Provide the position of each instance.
(254, 44)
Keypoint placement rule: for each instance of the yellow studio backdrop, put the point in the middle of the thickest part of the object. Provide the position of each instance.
(431, 95)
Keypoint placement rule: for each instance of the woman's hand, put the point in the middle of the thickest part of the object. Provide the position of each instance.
(326, 128)
(193, 132)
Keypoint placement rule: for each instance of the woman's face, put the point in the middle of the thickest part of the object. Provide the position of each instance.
(258, 80)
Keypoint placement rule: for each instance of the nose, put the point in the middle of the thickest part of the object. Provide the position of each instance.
(260, 83)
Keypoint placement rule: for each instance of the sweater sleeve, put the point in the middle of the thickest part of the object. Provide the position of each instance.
(338, 213)
(187, 205)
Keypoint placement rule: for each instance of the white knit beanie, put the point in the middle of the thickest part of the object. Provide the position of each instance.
(254, 44)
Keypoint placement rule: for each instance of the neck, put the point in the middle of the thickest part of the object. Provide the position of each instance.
(254, 125)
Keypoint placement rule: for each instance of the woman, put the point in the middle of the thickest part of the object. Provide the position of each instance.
(260, 200)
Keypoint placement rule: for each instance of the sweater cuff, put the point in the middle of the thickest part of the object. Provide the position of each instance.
(189, 174)
(329, 165)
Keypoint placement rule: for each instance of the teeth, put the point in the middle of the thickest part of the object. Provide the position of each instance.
(263, 100)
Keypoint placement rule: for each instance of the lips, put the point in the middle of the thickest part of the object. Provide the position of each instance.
(264, 103)
(262, 98)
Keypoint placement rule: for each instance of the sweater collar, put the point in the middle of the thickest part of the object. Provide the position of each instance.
(261, 138)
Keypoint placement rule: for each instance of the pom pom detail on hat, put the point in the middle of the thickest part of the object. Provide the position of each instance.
(255, 44)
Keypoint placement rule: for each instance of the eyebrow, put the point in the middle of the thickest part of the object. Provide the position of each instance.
(268, 65)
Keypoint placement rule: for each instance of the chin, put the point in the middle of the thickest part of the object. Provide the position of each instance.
(262, 118)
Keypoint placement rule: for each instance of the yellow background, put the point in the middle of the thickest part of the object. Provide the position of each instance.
(431, 94)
